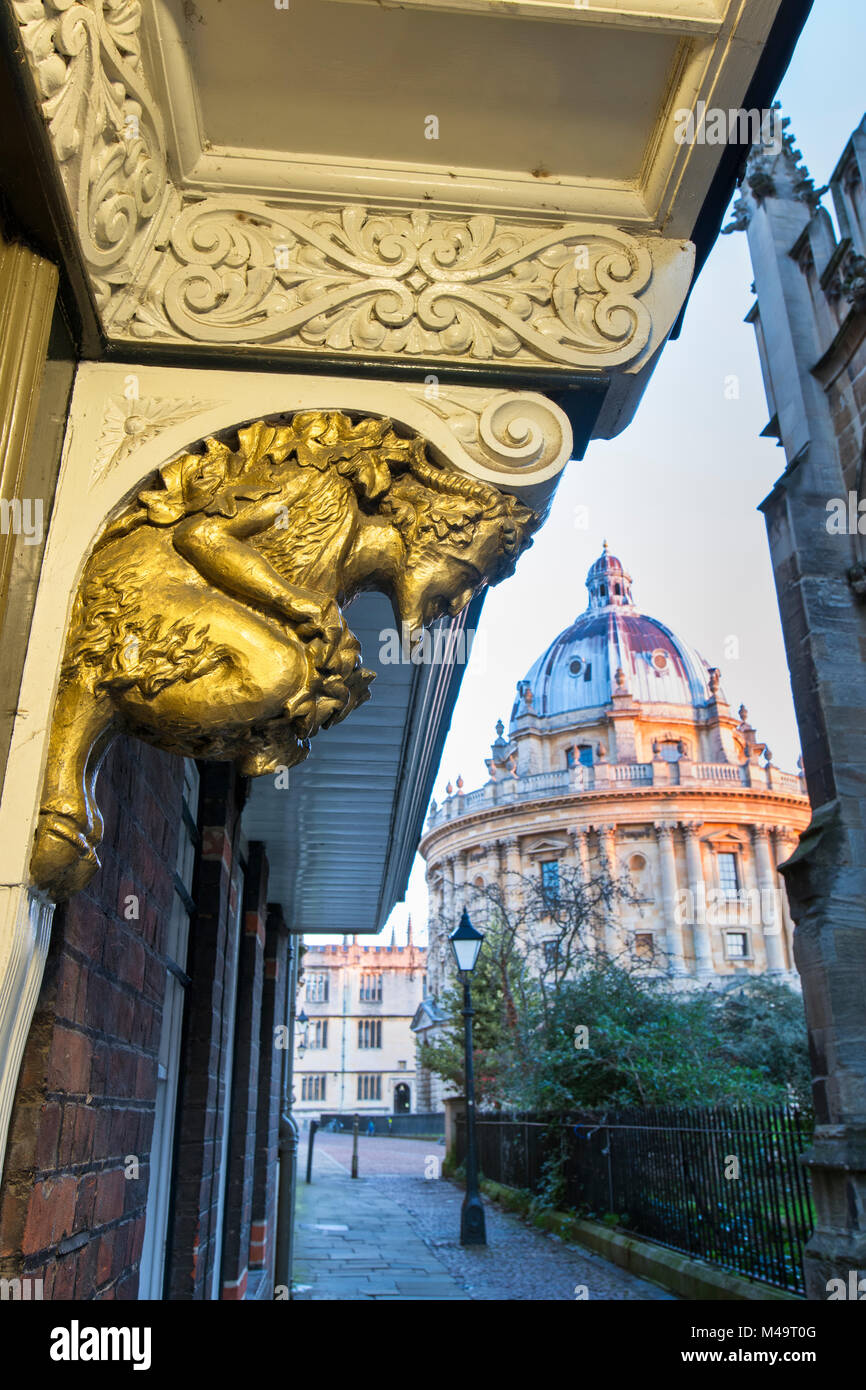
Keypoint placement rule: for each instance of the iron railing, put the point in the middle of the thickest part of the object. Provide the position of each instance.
(725, 1184)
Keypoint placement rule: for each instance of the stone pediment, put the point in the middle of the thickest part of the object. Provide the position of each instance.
(546, 846)
(720, 839)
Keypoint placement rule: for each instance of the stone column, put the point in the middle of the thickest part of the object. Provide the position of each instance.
(772, 924)
(697, 886)
(512, 886)
(613, 938)
(580, 842)
(461, 865)
(436, 891)
(673, 928)
(786, 841)
(447, 867)
(447, 921)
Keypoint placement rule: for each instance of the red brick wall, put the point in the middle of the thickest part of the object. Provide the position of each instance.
(84, 1104)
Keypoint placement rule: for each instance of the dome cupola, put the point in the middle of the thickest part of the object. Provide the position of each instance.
(608, 583)
(614, 648)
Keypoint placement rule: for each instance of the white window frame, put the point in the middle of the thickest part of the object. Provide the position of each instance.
(738, 931)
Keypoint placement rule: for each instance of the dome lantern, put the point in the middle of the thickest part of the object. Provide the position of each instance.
(608, 583)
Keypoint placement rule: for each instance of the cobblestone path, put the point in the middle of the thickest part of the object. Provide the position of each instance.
(394, 1236)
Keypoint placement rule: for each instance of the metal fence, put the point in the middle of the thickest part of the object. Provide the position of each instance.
(724, 1184)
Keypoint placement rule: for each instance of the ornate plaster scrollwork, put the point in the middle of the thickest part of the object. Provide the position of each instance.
(245, 271)
(208, 618)
(104, 126)
(173, 265)
(514, 438)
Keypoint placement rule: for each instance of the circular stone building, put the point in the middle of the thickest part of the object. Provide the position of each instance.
(623, 752)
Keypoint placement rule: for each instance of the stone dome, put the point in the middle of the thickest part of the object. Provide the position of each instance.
(613, 647)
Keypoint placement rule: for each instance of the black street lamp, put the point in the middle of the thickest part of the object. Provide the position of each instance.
(466, 943)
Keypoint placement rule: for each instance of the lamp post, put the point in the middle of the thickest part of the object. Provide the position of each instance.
(301, 1022)
(466, 944)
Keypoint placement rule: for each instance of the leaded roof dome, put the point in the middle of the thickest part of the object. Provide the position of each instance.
(613, 647)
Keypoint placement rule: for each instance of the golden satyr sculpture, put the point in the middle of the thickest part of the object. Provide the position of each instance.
(208, 619)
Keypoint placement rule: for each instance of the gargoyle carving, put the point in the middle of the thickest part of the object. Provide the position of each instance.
(208, 619)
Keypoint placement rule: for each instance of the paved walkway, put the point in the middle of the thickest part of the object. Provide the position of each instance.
(395, 1236)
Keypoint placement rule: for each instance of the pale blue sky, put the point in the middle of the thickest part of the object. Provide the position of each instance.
(676, 494)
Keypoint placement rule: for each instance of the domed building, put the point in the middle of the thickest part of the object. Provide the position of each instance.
(623, 753)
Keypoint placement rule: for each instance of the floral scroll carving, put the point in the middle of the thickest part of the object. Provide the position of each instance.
(411, 285)
(172, 265)
(104, 126)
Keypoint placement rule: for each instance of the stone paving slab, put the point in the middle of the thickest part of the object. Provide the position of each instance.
(396, 1238)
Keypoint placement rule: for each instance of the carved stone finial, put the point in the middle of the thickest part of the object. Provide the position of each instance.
(743, 714)
(619, 677)
(448, 789)
(459, 783)
(500, 728)
(774, 169)
(206, 621)
(715, 680)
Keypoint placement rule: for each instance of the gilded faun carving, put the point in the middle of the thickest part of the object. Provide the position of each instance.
(208, 619)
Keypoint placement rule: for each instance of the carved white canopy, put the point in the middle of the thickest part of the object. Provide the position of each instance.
(459, 182)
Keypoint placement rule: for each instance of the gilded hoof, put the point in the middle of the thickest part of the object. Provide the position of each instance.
(64, 861)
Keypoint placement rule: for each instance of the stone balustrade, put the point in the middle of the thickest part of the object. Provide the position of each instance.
(622, 776)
